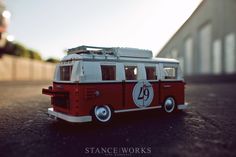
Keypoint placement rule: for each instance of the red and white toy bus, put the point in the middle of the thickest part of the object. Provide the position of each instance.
(93, 83)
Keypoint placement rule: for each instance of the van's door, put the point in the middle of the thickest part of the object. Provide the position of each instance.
(172, 84)
(141, 86)
(131, 77)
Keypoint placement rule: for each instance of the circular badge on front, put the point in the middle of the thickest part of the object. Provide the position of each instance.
(142, 94)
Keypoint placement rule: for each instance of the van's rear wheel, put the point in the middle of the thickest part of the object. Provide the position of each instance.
(169, 105)
(102, 113)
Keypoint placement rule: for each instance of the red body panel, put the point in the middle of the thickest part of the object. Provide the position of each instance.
(92, 94)
(79, 99)
(173, 89)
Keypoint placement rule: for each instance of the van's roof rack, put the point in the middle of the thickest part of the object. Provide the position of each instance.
(92, 50)
(115, 51)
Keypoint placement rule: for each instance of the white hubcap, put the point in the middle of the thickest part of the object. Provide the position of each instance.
(169, 105)
(102, 113)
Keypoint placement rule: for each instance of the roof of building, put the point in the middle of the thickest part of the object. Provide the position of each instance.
(183, 25)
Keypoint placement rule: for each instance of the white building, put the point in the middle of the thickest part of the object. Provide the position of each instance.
(206, 42)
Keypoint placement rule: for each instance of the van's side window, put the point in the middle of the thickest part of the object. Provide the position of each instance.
(170, 72)
(108, 72)
(131, 72)
(151, 73)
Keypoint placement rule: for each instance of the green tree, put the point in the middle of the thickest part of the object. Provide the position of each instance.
(34, 55)
(52, 60)
(21, 50)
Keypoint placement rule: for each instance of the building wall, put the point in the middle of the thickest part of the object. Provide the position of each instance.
(18, 68)
(206, 43)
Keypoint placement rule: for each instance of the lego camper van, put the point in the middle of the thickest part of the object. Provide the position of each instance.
(93, 83)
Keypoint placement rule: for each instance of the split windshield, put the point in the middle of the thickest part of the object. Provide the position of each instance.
(65, 73)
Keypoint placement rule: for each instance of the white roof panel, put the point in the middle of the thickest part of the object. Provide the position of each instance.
(133, 53)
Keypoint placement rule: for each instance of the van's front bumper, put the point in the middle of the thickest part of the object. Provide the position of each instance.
(183, 106)
(52, 92)
(73, 119)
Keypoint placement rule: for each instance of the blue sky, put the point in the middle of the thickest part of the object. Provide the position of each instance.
(51, 26)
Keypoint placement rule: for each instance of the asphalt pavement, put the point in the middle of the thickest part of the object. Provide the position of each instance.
(206, 129)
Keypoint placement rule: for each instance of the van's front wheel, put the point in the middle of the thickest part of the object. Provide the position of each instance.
(102, 113)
